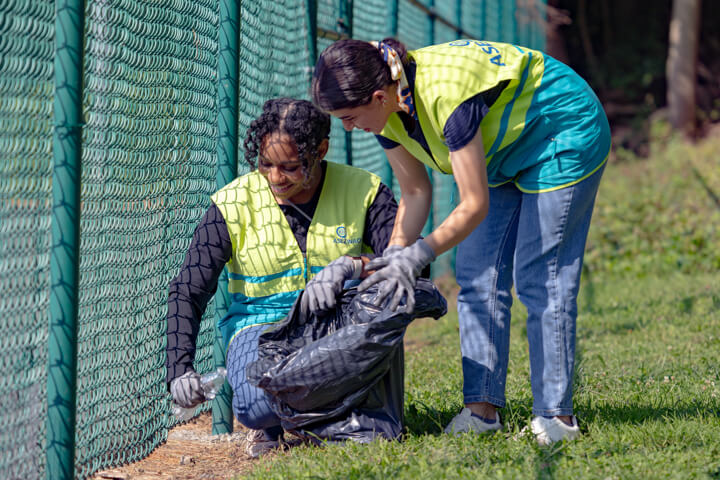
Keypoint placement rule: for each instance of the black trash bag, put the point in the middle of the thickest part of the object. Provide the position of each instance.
(340, 376)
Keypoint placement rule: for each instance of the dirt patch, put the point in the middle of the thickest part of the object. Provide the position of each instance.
(190, 453)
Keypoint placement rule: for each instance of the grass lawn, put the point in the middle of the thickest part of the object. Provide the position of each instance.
(647, 388)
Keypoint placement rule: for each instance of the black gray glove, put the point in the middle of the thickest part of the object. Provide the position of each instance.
(321, 292)
(398, 271)
(187, 390)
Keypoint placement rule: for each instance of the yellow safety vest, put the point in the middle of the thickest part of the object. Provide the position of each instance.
(267, 269)
(451, 73)
(545, 131)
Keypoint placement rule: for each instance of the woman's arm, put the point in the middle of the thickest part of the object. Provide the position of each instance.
(468, 164)
(192, 288)
(380, 220)
(398, 271)
(415, 199)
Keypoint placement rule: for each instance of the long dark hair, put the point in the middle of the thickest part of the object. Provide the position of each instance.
(349, 71)
(304, 122)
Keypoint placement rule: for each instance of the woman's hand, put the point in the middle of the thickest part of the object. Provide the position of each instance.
(321, 292)
(397, 274)
(187, 390)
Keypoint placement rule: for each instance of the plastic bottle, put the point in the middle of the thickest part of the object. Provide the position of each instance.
(211, 383)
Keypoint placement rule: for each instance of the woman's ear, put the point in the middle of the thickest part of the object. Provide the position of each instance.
(380, 96)
(323, 148)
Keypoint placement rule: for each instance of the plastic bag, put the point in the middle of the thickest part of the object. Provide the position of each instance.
(340, 375)
(211, 383)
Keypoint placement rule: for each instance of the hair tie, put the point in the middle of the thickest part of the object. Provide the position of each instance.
(397, 73)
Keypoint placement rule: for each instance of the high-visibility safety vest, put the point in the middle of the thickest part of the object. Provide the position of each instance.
(546, 130)
(267, 269)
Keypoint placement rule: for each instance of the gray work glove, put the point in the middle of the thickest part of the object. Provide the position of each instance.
(398, 273)
(391, 250)
(321, 292)
(187, 390)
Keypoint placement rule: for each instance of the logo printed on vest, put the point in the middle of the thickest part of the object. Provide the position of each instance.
(341, 233)
(486, 47)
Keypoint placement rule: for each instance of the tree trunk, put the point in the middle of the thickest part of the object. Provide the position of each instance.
(681, 67)
(554, 40)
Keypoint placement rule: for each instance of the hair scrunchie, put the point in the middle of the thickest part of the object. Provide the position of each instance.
(397, 73)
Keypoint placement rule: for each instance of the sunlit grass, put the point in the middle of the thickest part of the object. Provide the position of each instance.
(647, 389)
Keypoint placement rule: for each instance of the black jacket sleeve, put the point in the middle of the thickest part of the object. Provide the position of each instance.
(190, 291)
(380, 219)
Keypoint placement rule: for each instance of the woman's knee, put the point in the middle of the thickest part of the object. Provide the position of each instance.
(256, 416)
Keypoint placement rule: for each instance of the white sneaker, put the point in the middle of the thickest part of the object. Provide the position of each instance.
(551, 430)
(465, 421)
(259, 443)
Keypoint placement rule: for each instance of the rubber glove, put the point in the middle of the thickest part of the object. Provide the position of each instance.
(321, 292)
(391, 250)
(187, 390)
(398, 273)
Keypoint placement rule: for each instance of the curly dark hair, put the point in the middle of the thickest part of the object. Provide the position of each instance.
(349, 71)
(304, 122)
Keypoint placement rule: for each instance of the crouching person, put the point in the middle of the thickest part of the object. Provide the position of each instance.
(275, 228)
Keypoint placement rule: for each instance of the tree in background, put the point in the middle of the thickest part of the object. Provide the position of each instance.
(681, 67)
(554, 40)
(622, 49)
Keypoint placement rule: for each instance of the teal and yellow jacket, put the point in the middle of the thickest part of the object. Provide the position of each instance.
(546, 130)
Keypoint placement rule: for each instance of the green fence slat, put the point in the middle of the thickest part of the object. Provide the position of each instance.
(64, 259)
(227, 152)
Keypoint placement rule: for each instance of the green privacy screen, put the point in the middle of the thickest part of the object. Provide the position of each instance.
(149, 163)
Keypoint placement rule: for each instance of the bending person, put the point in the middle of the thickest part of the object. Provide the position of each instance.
(295, 221)
(526, 140)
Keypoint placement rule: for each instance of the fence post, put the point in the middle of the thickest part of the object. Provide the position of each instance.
(311, 17)
(227, 152)
(347, 18)
(393, 9)
(393, 17)
(483, 16)
(458, 17)
(65, 249)
(430, 224)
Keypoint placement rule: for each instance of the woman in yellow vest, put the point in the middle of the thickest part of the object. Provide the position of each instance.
(296, 222)
(526, 140)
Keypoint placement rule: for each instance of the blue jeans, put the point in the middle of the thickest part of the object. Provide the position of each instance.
(250, 404)
(537, 242)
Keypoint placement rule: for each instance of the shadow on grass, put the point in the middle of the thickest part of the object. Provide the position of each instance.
(636, 414)
(685, 304)
(423, 419)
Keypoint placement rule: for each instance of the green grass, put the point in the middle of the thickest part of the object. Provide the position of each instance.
(659, 215)
(647, 389)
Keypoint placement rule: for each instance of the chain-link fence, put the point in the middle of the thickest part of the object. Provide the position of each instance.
(161, 125)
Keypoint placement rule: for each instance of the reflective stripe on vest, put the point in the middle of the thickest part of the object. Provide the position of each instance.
(267, 268)
(450, 73)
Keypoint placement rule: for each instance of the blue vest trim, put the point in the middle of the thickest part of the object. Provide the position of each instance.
(246, 311)
(266, 278)
(508, 110)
